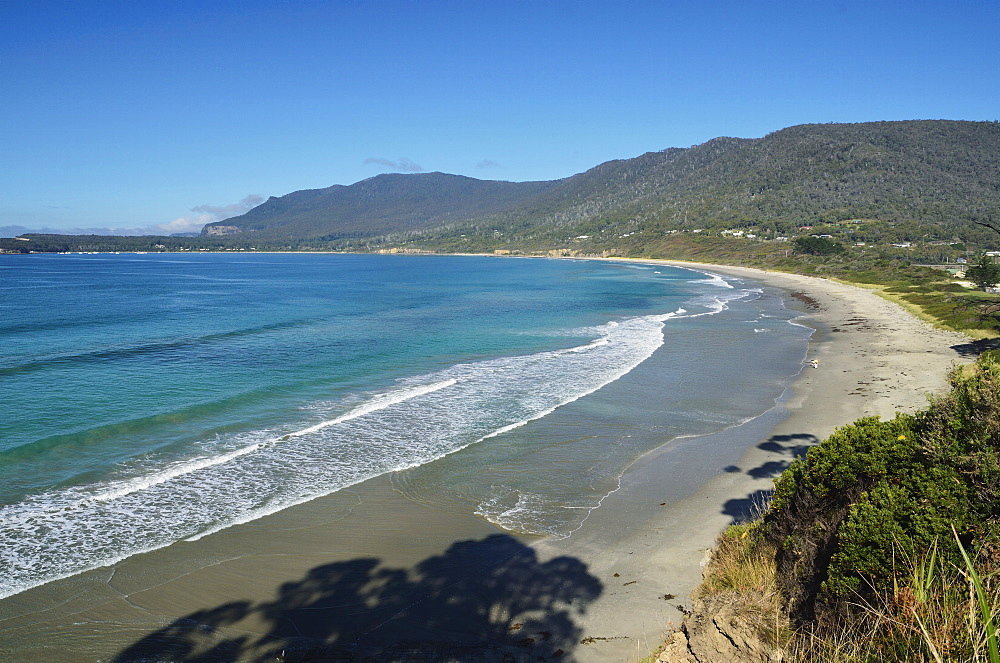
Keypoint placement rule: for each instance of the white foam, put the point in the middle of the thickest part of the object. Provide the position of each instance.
(522, 516)
(62, 532)
(120, 489)
(380, 402)
(713, 279)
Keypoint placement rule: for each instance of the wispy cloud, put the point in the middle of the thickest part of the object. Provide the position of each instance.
(403, 164)
(487, 163)
(228, 211)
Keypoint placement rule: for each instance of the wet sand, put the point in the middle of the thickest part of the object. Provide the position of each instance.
(368, 573)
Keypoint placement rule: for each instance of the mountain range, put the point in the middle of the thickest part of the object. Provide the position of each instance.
(379, 205)
(942, 173)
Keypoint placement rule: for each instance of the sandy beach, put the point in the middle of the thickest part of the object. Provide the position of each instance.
(368, 573)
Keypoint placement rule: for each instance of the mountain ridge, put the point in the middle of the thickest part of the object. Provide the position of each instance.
(389, 202)
(943, 172)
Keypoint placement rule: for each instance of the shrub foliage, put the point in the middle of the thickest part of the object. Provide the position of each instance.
(878, 492)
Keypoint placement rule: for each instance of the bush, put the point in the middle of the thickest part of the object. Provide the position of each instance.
(879, 491)
(818, 246)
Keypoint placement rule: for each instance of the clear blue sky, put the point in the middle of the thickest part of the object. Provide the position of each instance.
(164, 115)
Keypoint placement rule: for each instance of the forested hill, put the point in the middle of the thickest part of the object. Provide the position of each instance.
(939, 172)
(941, 175)
(378, 205)
(916, 170)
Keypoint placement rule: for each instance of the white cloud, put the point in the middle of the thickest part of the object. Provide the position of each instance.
(487, 163)
(202, 214)
(403, 164)
(229, 211)
(182, 224)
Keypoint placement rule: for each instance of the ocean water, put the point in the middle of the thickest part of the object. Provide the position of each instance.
(150, 399)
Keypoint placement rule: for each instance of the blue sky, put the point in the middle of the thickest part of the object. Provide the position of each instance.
(163, 116)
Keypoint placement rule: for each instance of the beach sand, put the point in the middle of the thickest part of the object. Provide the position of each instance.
(344, 577)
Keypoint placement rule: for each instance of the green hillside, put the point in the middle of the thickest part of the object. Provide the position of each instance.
(938, 177)
(378, 205)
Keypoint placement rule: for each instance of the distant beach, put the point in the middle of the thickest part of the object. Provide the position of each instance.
(370, 571)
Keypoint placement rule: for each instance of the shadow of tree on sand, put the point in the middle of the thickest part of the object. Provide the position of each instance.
(788, 447)
(973, 349)
(744, 509)
(486, 600)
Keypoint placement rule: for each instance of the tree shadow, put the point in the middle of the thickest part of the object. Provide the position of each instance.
(795, 445)
(975, 348)
(744, 509)
(789, 447)
(484, 600)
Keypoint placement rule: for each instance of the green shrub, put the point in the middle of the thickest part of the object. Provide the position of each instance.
(877, 492)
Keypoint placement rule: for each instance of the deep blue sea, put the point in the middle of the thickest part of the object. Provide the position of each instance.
(148, 399)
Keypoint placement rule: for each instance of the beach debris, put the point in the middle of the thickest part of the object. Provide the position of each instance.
(630, 582)
(617, 575)
(589, 640)
(810, 302)
(515, 627)
(668, 597)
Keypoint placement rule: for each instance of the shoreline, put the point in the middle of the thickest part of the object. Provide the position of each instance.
(622, 576)
(874, 358)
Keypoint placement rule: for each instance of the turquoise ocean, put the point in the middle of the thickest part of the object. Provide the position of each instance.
(155, 398)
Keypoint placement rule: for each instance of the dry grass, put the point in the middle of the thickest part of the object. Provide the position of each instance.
(740, 563)
(942, 613)
(742, 572)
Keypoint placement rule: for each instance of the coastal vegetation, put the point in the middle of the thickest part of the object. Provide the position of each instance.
(984, 273)
(882, 543)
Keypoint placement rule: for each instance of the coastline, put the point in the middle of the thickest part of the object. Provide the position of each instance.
(874, 358)
(636, 549)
